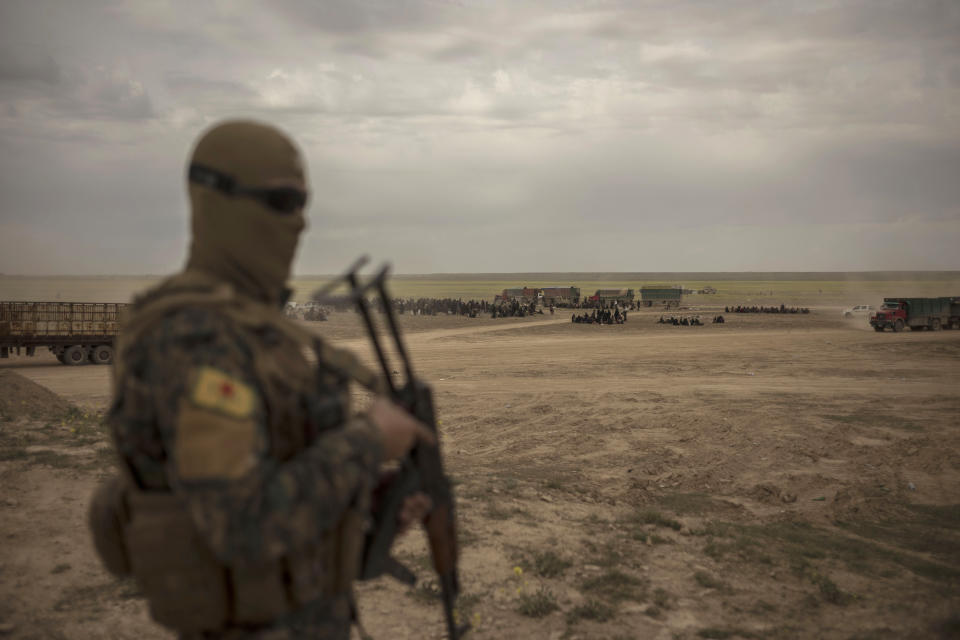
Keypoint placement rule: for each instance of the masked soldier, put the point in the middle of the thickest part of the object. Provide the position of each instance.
(246, 479)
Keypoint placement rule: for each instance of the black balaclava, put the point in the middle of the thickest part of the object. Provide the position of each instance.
(236, 238)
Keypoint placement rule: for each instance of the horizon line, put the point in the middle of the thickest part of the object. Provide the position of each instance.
(511, 273)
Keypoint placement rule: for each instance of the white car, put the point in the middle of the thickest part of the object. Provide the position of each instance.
(858, 310)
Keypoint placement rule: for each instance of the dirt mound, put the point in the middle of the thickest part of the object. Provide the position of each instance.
(23, 398)
(867, 504)
(772, 494)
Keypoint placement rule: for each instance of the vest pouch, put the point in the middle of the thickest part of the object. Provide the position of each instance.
(348, 550)
(106, 516)
(260, 593)
(329, 567)
(185, 585)
(309, 571)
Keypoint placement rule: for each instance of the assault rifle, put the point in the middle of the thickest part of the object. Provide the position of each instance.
(420, 470)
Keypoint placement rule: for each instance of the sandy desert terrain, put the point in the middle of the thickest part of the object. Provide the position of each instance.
(791, 476)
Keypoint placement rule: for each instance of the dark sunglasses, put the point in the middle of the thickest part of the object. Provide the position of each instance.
(285, 200)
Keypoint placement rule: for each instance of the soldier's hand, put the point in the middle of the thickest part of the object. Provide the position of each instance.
(399, 430)
(415, 508)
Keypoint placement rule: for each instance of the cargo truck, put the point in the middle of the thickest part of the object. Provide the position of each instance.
(669, 296)
(917, 313)
(75, 332)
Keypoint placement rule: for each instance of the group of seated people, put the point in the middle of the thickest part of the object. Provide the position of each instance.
(682, 321)
(514, 309)
(601, 316)
(762, 309)
(688, 321)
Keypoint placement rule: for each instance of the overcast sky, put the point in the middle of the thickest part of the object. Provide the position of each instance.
(471, 135)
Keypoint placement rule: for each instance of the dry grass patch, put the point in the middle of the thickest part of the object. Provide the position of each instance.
(537, 604)
(707, 581)
(802, 546)
(655, 518)
(591, 610)
(546, 564)
(615, 586)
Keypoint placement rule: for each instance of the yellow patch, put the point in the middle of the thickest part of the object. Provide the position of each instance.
(217, 391)
(210, 445)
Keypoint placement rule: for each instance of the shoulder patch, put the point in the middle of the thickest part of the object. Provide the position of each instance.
(218, 391)
(213, 446)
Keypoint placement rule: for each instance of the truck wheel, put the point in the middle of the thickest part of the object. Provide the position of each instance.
(75, 355)
(935, 324)
(898, 325)
(102, 354)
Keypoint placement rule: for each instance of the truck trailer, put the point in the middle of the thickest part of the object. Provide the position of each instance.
(75, 332)
(917, 313)
(608, 296)
(560, 296)
(669, 296)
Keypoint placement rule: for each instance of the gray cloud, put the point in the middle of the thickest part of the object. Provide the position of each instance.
(460, 50)
(16, 69)
(195, 85)
(447, 135)
(347, 16)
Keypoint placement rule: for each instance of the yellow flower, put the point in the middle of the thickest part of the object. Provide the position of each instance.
(518, 571)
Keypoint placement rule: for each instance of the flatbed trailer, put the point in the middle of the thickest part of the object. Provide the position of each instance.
(75, 332)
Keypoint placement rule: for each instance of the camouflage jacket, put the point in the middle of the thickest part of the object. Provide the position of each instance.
(250, 428)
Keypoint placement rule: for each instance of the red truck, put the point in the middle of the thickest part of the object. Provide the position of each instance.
(75, 332)
(917, 313)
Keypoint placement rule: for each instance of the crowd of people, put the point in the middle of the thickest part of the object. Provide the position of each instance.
(762, 309)
(515, 309)
(425, 307)
(602, 312)
(601, 316)
(419, 306)
(310, 312)
(441, 307)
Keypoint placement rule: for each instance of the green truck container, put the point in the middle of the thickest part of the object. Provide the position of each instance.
(666, 295)
(918, 314)
(75, 332)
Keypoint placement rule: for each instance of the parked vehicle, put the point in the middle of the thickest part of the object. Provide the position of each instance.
(917, 313)
(858, 310)
(75, 332)
(669, 296)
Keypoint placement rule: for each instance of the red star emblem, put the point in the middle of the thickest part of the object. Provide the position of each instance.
(226, 390)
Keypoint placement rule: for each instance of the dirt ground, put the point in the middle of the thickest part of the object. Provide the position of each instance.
(791, 476)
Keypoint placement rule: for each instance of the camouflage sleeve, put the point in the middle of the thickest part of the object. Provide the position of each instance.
(248, 505)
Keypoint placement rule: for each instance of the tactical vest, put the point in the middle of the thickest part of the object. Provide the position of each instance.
(150, 535)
